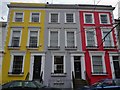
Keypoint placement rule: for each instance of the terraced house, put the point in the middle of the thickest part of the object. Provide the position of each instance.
(2, 41)
(63, 46)
(24, 42)
(60, 44)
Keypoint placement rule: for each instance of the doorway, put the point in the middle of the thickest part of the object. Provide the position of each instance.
(77, 67)
(116, 65)
(37, 67)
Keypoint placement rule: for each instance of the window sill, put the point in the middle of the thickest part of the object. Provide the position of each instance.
(53, 23)
(97, 74)
(34, 22)
(13, 47)
(28, 47)
(109, 47)
(92, 47)
(53, 47)
(70, 23)
(89, 23)
(18, 22)
(105, 23)
(11, 74)
(67, 47)
(58, 75)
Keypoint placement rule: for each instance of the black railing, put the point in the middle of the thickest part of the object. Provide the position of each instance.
(87, 78)
(41, 75)
(73, 79)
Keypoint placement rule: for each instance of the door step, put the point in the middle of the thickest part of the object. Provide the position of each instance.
(80, 83)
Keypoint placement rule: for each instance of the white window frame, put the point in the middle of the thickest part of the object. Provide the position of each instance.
(12, 59)
(15, 15)
(58, 30)
(64, 63)
(73, 17)
(31, 16)
(95, 37)
(33, 29)
(98, 53)
(111, 36)
(93, 21)
(54, 13)
(108, 18)
(11, 34)
(75, 36)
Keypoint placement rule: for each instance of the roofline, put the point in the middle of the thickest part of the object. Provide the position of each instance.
(60, 6)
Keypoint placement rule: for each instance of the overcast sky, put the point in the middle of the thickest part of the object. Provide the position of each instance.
(4, 9)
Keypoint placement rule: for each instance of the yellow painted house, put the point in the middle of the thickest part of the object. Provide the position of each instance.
(24, 55)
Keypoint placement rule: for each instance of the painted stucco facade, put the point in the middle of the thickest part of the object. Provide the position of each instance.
(99, 49)
(23, 49)
(54, 44)
(66, 77)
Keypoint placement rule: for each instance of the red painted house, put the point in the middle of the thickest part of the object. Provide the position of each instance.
(101, 54)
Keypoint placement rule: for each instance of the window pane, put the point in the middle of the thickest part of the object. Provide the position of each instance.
(35, 17)
(69, 18)
(103, 18)
(54, 17)
(70, 39)
(18, 17)
(33, 39)
(53, 38)
(90, 38)
(58, 64)
(107, 41)
(15, 38)
(97, 64)
(88, 18)
(17, 64)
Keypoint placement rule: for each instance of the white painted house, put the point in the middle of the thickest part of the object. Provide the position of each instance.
(2, 41)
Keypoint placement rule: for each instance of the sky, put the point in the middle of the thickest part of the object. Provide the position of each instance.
(4, 9)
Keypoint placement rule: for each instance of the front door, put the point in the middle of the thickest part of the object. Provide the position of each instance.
(77, 67)
(37, 67)
(116, 64)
